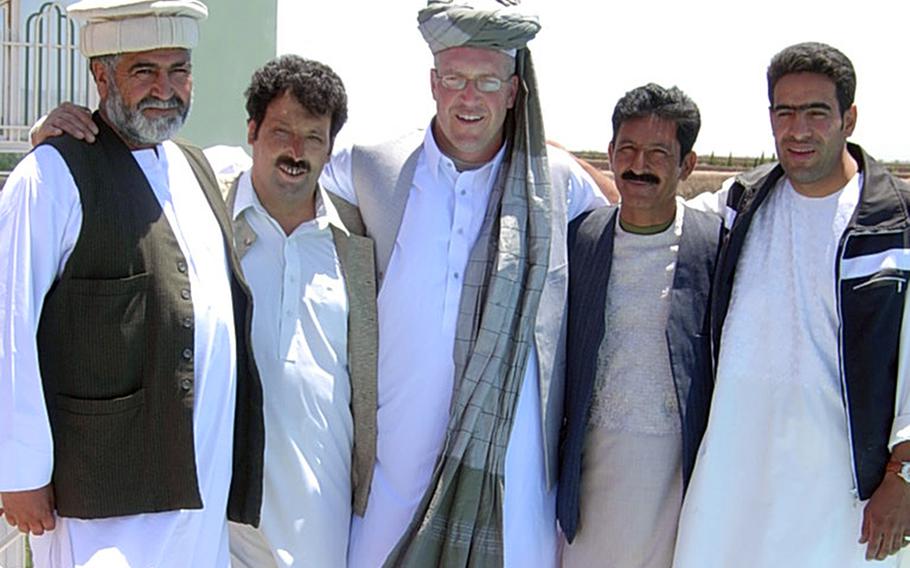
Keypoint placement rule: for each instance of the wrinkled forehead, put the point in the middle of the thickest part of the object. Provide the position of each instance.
(461, 59)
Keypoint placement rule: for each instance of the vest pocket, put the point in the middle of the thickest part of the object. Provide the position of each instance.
(887, 278)
(91, 407)
(110, 339)
(99, 448)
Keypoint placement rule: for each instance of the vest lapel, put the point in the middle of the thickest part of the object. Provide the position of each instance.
(383, 176)
(355, 254)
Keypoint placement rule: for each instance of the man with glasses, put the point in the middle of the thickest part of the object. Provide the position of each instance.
(470, 225)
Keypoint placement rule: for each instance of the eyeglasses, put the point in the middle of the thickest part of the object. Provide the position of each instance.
(484, 83)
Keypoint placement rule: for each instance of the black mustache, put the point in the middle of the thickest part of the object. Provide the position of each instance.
(629, 175)
(292, 163)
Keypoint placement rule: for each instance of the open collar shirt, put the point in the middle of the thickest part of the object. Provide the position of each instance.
(418, 310)
(300, 329)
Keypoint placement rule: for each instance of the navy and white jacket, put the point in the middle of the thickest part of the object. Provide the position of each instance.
(873, 266)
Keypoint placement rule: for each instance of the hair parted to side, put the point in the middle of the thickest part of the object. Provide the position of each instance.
(814, 57)
(671, 104)
(315, 86)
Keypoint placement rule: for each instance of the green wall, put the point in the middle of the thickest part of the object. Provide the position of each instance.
(237, 37)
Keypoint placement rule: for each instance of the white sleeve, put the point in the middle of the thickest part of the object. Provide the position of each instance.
(228, 162)
(337, 175)
(40, 220)
(712, 201)
(900, 430)
(582, 193)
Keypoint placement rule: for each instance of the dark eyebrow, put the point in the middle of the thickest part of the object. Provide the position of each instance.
(800, 108)
(141, 65)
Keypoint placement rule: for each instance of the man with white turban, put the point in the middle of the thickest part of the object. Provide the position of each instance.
(130, 406)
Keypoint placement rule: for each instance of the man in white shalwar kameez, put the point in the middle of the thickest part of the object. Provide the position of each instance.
(130, 407)
(806, 460)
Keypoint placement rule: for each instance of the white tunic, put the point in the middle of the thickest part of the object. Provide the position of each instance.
(40, 220)
(418, 310)
(300, 327)
(773, 485)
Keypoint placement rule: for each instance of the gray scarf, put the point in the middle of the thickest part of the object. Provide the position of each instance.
(460, 518)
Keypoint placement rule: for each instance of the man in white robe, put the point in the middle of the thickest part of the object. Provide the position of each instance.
(159, 386)
(806, 459)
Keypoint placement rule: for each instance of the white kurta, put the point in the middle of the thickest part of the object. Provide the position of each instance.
(773, 483)
(300, 328)
(40, 220)
(418, 310)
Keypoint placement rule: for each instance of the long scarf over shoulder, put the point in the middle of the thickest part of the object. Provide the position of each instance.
(459, 521)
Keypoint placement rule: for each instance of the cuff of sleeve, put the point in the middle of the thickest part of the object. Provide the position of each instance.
(23, 468)
(900, 431)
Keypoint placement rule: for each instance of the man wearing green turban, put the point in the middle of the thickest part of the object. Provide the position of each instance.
(469, 221)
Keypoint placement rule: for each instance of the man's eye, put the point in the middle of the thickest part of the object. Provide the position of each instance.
(454, 82)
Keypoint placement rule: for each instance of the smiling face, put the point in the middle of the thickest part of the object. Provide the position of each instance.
(645, 159)
(810, 132)
(290, 148)
(469, 123)
(145, 95)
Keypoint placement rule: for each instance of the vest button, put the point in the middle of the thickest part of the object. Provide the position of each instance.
(188, 354)
(187, 323)
(185, 294)
(181, 266)
(186, 384)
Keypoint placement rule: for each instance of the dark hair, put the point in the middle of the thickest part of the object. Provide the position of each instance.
(313, 84)
(813, 57)
(671, 104)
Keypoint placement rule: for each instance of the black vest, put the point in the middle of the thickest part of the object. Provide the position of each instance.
(115, 344)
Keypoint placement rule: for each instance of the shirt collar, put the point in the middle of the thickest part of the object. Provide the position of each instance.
(246, 198)
(436, 159)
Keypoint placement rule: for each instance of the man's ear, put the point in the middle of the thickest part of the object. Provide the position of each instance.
(849, 121)
(688, 165)
(433, 85)
(250, 131)
(610, 155)
(513, 86)
(102, 78)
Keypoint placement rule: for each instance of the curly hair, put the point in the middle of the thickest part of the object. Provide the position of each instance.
(813, 57)
(315, 86)
(671, 104)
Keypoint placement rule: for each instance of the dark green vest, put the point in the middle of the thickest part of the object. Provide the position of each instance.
(115, 345)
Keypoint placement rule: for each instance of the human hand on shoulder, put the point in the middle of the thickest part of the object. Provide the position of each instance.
(30, 511)
(67, 118)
